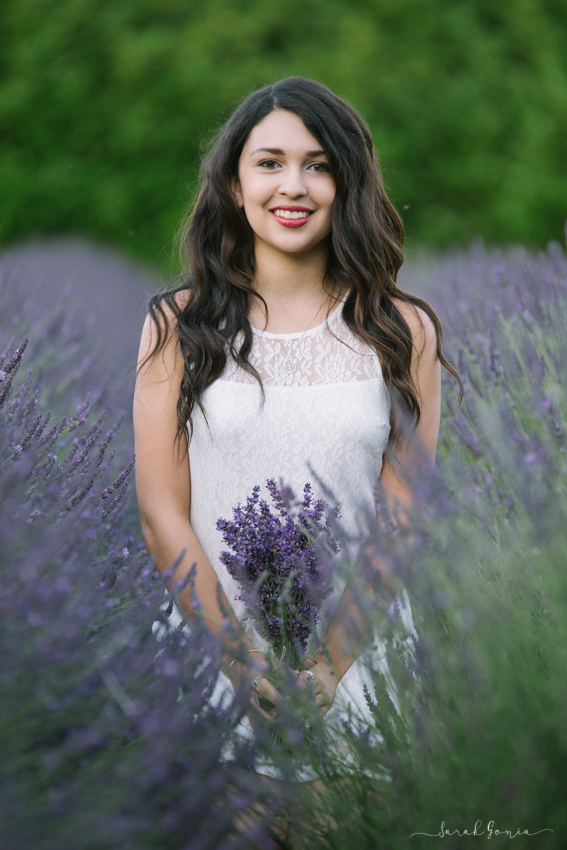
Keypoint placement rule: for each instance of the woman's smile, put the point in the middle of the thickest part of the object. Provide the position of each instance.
(292, 216)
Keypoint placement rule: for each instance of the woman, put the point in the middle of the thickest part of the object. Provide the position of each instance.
(282, 350)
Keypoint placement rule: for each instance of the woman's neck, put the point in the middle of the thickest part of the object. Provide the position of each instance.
(292, 287)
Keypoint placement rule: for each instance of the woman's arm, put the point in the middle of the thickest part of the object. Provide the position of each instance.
(345, 629)
(420, 445)
(163, 487)
(163, 483)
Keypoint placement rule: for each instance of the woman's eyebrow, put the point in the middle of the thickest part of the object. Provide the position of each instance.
(279, 152)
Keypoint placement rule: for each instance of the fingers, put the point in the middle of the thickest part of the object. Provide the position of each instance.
(267, 690)
(322, 693)
(257, 710)
(306, 677)
(265, 714)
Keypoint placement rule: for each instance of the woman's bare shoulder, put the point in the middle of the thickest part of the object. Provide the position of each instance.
(160, 332)
(163, 317)
(423, 331)
(168, 307)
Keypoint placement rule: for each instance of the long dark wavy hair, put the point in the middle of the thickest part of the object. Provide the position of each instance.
(212, 299)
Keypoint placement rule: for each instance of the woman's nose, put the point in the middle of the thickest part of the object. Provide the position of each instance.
(293, 182)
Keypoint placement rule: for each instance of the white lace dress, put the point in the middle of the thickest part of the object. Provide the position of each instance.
(326, 406)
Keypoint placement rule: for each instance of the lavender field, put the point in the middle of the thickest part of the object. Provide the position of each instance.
(107, 737)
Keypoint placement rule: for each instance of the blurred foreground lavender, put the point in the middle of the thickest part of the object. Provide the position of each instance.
(108, 741)
(106, 736)
(482, 734)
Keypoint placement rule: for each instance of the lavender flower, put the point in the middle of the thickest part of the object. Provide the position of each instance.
(277, 560)
(105, 735)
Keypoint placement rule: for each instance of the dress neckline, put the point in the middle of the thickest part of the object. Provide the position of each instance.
(311, 332)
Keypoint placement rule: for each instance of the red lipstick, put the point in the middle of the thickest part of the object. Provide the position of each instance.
(292, 222)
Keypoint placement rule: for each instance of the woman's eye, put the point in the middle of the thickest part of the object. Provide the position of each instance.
(321, 167)
(269, 164)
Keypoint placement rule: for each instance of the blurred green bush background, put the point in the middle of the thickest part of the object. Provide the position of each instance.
(105, 105)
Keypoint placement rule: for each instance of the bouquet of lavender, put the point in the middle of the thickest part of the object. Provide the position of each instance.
(282, 564)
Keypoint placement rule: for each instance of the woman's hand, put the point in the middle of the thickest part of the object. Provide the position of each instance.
(324, 684)
(242, 675)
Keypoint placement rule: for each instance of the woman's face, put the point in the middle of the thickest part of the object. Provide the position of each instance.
(284, 185)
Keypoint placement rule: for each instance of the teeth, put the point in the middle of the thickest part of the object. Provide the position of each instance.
(288, 214)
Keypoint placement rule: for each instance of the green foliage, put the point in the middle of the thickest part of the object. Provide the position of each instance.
(104, 107)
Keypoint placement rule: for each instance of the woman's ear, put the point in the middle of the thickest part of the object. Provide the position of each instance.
(235, 186)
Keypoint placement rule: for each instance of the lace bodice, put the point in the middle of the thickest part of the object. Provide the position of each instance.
(326, 411)
(327, 354)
